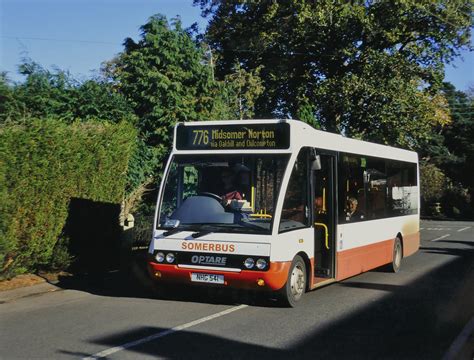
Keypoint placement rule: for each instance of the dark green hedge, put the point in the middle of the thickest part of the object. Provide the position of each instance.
(43, 165)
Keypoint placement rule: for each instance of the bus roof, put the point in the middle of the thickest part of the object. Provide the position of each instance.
(300, 135)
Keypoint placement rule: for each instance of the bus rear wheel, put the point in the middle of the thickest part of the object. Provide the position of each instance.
(295, 285)
(397, 255)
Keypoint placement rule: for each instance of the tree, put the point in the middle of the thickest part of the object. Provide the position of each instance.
(243, 88)
(433, 183)
(459, 135)
(368, 69)
(8, 104)
(56, 94)
(166, 79)
(451, 152)
(44, 93)
(97, 99)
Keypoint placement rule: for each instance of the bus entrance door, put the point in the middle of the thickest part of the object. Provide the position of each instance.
(323, 188)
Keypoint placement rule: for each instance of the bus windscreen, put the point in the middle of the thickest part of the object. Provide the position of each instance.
(227, 193)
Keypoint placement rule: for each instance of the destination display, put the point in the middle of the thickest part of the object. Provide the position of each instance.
(229, 137)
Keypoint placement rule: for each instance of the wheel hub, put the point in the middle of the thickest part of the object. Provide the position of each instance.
(297, 282)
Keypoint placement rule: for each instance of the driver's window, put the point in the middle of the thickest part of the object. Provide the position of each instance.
(179, 177)
(170, 195)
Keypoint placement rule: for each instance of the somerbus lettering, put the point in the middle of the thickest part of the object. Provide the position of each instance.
(185, 245)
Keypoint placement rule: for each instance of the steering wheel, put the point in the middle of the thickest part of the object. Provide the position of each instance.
(211, 195)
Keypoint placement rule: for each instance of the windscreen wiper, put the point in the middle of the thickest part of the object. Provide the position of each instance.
(200, 233)
(172, 231)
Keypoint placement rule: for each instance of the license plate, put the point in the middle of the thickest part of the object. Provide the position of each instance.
(207, 278)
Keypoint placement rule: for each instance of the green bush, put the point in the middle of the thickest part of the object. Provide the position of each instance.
(457, 202)
(61, 258)
(45, 163)
(433, 183)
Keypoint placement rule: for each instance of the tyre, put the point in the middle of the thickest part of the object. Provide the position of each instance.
(295, 285)
(397, 256)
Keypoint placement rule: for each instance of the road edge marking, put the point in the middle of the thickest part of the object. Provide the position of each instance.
(161, 334)
(441, 237)
(460, 341)
(467, 227)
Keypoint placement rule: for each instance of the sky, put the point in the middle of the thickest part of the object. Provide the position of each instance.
(78, 35)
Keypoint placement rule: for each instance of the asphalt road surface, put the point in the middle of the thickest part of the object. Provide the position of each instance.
(420, 313)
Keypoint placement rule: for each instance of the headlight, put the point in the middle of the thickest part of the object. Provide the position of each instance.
(249, 263)
(170, 257)
(261, 264)
(160, 257)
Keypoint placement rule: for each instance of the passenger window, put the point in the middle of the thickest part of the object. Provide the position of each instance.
(402, 188)
(351, 188)
(376, 188)
(375, 179)
(295, 213)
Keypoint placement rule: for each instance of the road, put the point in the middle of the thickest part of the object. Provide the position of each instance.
(415, 314)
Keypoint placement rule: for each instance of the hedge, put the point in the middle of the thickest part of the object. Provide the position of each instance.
(43, 165)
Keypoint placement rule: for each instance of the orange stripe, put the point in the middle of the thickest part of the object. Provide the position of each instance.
(311, 279)
(411, 243)
(364, 258)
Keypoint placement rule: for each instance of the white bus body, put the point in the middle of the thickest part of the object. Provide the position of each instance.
(381, 180)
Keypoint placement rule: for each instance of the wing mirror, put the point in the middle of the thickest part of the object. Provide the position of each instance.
(171, 224)
(316, 163)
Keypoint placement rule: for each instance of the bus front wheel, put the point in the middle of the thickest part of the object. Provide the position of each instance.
(295, 285)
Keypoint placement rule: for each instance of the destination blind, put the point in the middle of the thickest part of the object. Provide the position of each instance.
(229, 137)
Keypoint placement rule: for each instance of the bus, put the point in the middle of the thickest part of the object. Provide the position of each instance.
(279, 206)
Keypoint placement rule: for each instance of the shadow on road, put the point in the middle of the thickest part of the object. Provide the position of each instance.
(189, 345)
(457, 242)
(371, 286)
(415, 321)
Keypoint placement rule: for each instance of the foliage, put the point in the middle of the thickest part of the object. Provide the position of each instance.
(243, 88)
(451, 149)
(44, 164)
(55, 94)
(61, 257)
(433, 183)
(368, 69)
(165, 80)
(457, 202)
(8, 103)
(459, 135)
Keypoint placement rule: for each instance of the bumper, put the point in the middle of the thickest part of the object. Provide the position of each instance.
(274, 279)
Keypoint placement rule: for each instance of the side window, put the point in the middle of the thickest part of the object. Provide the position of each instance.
(351, 188)
(295, 212)
(402, 188)
(375, 179)
(373, 188)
